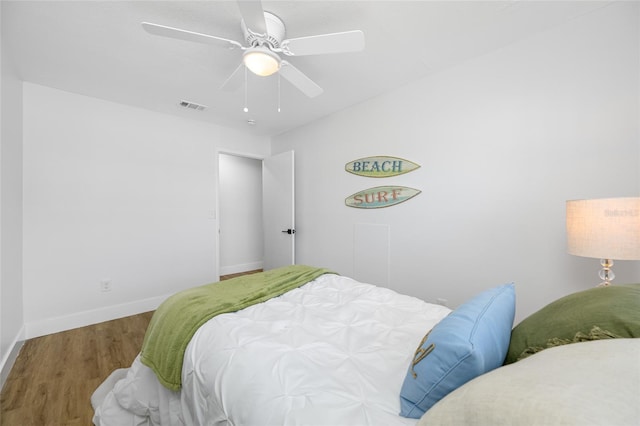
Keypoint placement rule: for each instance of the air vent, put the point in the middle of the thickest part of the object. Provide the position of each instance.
(192, 105)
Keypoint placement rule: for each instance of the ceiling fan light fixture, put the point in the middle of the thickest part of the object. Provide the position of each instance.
(261, 61)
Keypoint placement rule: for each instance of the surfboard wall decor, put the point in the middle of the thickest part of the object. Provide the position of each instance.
(380, 166)
(380, 196)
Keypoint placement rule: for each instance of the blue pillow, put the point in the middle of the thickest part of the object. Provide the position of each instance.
(470, 341)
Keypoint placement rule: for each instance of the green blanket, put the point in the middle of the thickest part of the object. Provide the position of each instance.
(176, 320)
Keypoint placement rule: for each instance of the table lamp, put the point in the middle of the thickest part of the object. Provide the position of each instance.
(604, 228)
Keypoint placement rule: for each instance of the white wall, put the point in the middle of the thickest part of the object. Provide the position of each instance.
(119, 194)
(113, 192)
(240, 212)
(503, 141)
(11, 311)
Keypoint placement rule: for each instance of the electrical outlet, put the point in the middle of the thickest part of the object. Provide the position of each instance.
(105, 285)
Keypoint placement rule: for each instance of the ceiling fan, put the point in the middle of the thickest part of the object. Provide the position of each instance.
(264, 42)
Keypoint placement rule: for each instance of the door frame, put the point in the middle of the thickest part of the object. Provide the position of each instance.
(217, 198)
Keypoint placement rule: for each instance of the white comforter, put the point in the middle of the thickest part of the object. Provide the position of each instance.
(333, 352)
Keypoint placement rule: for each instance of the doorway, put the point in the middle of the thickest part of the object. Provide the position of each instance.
(241, 236)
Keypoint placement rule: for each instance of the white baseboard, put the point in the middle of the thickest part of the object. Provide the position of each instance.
(243, 267)
(10, 357)
(81, 319)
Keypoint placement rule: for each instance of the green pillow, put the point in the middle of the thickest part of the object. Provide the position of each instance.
(597, 313)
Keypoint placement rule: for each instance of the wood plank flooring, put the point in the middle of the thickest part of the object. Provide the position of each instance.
(54, 376)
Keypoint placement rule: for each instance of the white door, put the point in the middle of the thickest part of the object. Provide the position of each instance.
(278, 210)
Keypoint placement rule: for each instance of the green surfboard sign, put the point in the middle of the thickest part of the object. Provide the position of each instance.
(380, 166)
(381, 196)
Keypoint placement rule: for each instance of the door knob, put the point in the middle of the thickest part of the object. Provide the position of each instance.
(289, 231)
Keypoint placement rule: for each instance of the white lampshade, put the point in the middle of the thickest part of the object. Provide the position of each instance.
(261, 61)
(606, 228)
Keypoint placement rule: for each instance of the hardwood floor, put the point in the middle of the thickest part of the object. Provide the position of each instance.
(228, 277)
(54, 376)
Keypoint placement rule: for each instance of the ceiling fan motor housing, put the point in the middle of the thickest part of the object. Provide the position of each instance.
(275, 32)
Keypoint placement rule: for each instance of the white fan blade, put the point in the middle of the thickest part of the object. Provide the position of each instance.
(253, 15)
(299, 80)
(234, 80)
(165, 31)
(348, 41)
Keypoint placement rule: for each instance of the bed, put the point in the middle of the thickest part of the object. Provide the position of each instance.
(335, 351)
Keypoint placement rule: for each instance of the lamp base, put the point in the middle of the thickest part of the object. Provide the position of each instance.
(606, 273)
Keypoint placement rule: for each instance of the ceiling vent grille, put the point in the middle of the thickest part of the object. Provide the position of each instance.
(192, 105)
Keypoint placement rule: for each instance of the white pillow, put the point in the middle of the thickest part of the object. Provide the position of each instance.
(590, 383)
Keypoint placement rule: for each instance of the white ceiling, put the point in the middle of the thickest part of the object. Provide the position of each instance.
(99, 49)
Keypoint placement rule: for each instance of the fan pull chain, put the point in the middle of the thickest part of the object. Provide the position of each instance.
(278, 92)
(246, 91)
